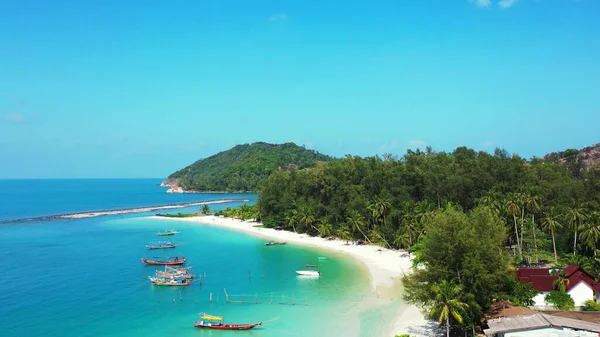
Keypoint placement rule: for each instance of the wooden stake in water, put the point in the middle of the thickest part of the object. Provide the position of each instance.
(210, 298)
(180, 298)
(249, 276)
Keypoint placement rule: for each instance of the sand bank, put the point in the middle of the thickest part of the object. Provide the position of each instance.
(143, 209)
(385, 266)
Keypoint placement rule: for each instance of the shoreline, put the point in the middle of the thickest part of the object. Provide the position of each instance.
(384, 266)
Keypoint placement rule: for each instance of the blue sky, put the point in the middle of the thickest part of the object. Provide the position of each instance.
(142, 88)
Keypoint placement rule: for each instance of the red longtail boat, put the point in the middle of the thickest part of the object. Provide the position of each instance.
(175, 261)
(222, 326)
(217, 324)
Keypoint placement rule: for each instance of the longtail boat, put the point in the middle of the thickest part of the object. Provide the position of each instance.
(206, 322)
(174, 262)
(157, 281)
(175, 273)
(161, 245)
(275, 243)
(167, 233)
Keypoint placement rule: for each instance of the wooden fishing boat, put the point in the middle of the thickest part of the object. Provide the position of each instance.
(158, 281)
(167, 233)
(222, 326)
(175, 273)
(173, 262)
(216, 322)
(275, 243)
(161, 245)
(308, 272)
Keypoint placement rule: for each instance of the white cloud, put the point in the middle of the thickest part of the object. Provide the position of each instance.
(481, 3)
(279, 18)
(14, 118)
(416, 143)
(489, 144)
(506, 3)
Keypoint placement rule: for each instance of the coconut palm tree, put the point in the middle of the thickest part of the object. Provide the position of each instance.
(356, 222)
(533, 205)
(402, 239)
(290, 219)
(575, 217)
(590, 232)
(550, 223)
(447, 304)
(383, 208)
(306, 217)
(343, 233)
(561, 283)
(513, 209)
(205, 209)
(325, 228)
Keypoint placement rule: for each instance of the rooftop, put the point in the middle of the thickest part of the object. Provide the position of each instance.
(537, 321)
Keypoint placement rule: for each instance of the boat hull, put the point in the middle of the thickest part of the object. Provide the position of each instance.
(160, 247)
(227, 326)
(164, 263)
(308, 272)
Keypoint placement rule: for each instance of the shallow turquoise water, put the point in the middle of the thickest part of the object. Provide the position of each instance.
(85, 278)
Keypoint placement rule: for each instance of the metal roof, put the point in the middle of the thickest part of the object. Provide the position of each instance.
(537, 321)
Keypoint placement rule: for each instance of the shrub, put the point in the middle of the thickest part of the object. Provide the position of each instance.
(590, 305)
(560, 300)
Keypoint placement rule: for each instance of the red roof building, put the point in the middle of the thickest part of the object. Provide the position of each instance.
(581, 285)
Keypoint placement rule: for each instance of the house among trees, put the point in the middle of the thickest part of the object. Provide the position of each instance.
(574, 280)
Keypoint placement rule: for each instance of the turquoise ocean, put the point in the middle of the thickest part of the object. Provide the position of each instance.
(84, 277)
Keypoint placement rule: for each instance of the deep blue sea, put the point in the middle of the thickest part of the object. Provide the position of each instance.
(84, 277)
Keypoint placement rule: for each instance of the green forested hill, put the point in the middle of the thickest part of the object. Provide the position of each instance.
(244, 167)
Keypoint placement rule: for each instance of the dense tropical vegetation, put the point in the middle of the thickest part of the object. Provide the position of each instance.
(244, 167)
(469, 217)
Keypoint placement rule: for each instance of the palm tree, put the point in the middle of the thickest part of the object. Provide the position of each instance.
(306, 217)
(383, 208)
(561, 283)
(551, 224)
(447, 304)
(356, 222)
(205, 209)
(325, 228)
(343, 233)
(533, 205)
(290, 219)
(590, 232)
(576, 216)
(513, 209)
(402, 240)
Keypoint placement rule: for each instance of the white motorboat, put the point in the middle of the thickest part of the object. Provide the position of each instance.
(308, 272)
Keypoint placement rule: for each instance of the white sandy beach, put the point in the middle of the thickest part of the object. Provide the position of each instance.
(385, 266)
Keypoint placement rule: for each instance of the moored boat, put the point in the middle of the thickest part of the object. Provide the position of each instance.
(175, 273)
(168, 232)
(308, 272)
(311, 266)
(275, 243)
(159, 281)
(161, 245)
(215, 322)
(175, 261)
